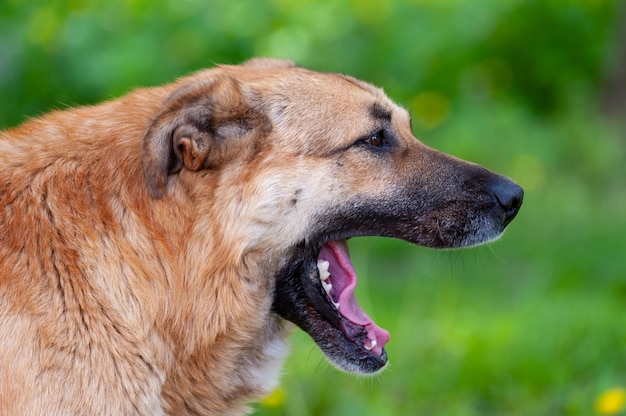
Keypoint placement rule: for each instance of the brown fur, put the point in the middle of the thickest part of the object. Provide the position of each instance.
(139, 238)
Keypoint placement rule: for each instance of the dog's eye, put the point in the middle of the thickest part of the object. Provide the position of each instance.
(377, 139)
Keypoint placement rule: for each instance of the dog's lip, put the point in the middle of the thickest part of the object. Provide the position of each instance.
(343, 280)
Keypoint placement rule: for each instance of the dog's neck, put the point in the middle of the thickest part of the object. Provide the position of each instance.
(163, 253)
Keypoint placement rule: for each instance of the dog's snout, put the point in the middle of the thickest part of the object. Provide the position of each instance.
(510, 196)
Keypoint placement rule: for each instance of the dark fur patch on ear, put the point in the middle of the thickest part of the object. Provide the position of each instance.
(185, 131)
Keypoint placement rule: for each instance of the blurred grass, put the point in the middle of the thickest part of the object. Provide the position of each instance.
(530, 325)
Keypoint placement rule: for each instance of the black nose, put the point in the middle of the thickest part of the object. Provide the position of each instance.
(509, 195)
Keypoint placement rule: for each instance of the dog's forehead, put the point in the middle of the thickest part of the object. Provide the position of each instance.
(308, 98)
(328, 90)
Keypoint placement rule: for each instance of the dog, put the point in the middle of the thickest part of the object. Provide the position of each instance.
(157, 250)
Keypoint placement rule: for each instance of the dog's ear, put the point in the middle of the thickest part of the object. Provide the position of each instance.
(196, 129)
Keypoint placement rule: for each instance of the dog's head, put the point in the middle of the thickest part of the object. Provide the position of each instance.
(294, 163)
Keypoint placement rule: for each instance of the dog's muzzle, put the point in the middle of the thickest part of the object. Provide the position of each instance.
(453, 204)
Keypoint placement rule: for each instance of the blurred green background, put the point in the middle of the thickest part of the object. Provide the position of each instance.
(533, 324)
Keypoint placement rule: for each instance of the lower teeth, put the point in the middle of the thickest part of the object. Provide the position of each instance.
(370, 346)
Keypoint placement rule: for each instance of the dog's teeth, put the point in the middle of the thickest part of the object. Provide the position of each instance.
(322, 266)
(371, 345)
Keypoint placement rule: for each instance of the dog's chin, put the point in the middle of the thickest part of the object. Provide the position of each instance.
(315, 290)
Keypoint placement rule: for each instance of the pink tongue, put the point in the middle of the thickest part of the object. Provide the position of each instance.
(344, 280)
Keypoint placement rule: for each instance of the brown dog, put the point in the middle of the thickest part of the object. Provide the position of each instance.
(154, 248)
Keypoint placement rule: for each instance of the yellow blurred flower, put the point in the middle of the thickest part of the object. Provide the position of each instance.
(275, 399)
(611, 402)
(430, 109)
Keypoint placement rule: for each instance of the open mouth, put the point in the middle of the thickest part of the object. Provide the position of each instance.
(338, 279)
(316, 291)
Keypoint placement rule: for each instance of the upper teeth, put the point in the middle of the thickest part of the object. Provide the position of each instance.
(322, 266)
